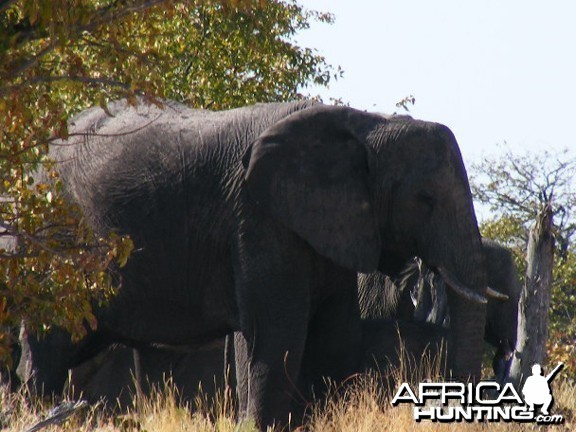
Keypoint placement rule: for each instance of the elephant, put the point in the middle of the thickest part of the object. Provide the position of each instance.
(111, 376)
(118, 373)
(256, 221)
(420, 295)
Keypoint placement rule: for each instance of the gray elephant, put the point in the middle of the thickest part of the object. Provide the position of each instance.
(256, 220)
(113, 375)
(420, 295)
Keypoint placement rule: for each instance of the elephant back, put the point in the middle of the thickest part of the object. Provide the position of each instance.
(128, 163)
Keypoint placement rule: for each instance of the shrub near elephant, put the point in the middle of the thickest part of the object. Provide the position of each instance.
(256, 220)
(420, 295)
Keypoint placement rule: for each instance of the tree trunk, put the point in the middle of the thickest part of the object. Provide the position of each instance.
(535, 299)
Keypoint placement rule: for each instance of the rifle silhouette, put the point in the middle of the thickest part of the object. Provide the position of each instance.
(552, 374)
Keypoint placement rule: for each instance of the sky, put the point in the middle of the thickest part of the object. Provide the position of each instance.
(493, 71)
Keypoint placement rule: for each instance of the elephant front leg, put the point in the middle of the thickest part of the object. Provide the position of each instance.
(333, 348)
(267, 368)
(273, 283)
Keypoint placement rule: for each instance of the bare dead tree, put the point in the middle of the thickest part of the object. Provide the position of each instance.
(533, 317)
(537, 191)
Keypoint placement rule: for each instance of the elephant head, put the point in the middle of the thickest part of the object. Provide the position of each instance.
(370, 192)
(421, 296)
(502, 315)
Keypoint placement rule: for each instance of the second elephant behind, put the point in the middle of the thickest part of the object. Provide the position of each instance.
(420, 295)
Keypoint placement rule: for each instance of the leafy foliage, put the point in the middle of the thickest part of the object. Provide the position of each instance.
(223, 60)
(516, 187)
(58, 57)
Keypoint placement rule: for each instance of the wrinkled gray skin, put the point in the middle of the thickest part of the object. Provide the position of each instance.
(420, 295)
(256, 221)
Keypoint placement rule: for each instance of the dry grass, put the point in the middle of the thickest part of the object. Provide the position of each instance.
(161, 411)
(365, 407)
(360, 406)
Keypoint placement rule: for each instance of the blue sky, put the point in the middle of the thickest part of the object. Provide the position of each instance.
(492, 71)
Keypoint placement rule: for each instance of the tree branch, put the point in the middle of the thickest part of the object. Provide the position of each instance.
(105, 15)
(52, 79)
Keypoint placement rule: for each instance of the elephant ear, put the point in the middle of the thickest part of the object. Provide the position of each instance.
(311, 173)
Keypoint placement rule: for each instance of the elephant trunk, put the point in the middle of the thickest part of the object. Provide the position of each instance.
(466, 338)
(465, 263)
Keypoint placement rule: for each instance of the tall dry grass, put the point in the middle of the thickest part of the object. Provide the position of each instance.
(361, 405)
(365, 405)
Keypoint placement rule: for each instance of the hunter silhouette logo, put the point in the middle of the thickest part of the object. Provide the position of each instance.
(486, 401)
(536, 389)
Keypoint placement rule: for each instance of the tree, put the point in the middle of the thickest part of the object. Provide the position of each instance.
(59, 57)
(534, 304)
(534, 213)
(517, 186)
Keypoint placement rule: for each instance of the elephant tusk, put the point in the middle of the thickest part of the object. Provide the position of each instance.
(496, 294)
(461, 289)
